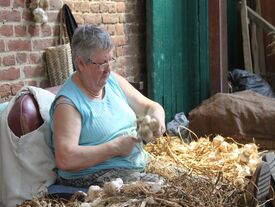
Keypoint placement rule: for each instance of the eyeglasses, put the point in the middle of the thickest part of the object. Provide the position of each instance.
(102, 66)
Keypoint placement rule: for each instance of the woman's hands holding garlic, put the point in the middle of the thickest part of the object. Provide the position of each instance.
(149, 128)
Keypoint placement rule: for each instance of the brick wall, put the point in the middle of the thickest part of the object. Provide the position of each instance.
(22, 41)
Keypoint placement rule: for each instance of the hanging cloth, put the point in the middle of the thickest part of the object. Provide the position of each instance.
(69, 20)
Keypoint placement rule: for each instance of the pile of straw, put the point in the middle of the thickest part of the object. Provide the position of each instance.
(202, 173)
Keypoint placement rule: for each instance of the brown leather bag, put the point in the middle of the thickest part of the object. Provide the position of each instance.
(24, 116)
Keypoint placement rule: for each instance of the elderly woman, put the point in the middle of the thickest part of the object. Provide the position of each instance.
(93, 117)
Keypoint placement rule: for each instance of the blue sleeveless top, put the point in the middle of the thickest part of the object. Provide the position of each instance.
(102, 121)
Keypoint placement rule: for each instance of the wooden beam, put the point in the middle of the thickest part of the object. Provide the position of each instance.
(218, 46)
(246, 37)
(260, 40)
(260, 21)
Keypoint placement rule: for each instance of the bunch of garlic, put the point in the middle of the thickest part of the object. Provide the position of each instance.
(38, 8)
(246, 157)
(113, 187)
(93, 193)
(147, 127)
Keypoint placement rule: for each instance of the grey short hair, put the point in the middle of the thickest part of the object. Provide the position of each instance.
(88, 39)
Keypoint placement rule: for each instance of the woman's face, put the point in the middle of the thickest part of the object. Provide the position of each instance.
(96, 71)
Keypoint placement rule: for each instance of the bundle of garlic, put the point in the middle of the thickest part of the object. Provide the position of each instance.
(146, 128)
(40, 15)
(206, 157)
(38, 8)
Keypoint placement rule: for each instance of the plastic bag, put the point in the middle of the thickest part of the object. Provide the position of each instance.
(244, 80)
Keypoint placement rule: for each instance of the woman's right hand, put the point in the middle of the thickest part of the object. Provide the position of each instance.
(123, 145)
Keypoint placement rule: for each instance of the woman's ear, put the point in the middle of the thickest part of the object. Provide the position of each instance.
(80, 64)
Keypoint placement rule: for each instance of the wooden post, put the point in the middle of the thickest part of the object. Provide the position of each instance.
(218, 46)
(246, 38)
(260, 40)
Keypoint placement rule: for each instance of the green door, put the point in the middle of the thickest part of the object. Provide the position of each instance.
(177, 53)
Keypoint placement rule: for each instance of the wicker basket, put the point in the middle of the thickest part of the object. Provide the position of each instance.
(59, 63)
(59, 58)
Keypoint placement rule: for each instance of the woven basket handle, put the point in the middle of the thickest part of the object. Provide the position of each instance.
(62, 32)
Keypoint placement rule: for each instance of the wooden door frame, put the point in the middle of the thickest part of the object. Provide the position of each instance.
(217, 14)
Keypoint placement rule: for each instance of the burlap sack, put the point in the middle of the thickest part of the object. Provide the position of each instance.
(245, 114)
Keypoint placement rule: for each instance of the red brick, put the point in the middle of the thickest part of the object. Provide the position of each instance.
(35, 58)
(122, 18)
(131, 18)
(110, 19)
(94, 7)
(132, 28)
(5, 90)
(9, 74)
(2, 46)
(119, 40)
(10, 16)
(119, 29)
(55, 4)
(53, 16)
(8, 60)
(6, 30)
(5, 3)
(136, 39)
(27, 16)
(103, 8)
(34, 30)
(130, 8)
(16, 87)
(19, 45)
(111, 7)
(125, 50)
(122, 0)
(84, 7)
(32, 83)
(121, 8)
(92, 18)
(46, 30)
(77, 6)
(111, 29)
(21, 58)
(34, 71)
(42, 43)
(20, 30)
(79, 18)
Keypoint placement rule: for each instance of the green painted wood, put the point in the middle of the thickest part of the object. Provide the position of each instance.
(177, 54)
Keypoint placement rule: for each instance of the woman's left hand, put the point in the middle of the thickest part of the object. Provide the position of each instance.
(161, 128)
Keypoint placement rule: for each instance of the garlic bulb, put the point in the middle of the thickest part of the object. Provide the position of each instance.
(93, 192)
(34, 4)
(40, 15)
(146, 133)
(154, 125)
(113, 187)
(44, 4)
(147, 119)
(217, 140)
(147, 127)
(239, 182)
(84, 205)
